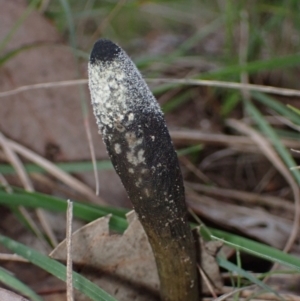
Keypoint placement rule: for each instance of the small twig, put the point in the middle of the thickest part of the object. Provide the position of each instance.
(70, 294)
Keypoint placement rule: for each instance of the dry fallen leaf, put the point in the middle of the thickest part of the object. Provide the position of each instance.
(124, 265)
(6, 295)
(256, 222)
(209, 265)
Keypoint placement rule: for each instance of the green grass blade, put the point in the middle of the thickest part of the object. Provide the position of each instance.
(269, 132)
(257, 249)
(82, 211)
(256, 66)
(69, 18)
(118, 223)
(176, 102)
(56, 269)
(70, 167)
(277, 106)
(14, 283)
(190, 150)
(234, 268)
(297, 111)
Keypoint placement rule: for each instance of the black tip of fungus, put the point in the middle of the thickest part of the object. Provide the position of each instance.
(105, 51)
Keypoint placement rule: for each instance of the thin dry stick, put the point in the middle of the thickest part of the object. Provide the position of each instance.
(70, 294)
(175, 81)
(56, 172)
(273, 157)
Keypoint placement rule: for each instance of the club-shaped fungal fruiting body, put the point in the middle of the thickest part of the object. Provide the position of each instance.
(139, 145)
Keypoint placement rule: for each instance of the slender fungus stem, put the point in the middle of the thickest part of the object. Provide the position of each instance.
(139, 145)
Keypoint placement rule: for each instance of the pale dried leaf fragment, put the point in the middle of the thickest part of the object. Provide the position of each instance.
(209, 265)
(6, 295)
(124, 265)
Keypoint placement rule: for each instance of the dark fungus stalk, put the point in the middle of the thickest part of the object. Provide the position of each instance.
(141, 150)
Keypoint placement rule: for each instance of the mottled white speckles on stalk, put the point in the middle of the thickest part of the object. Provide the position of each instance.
(130, 170)
(135, 155)
(130, 117)
(134, 159)
(132, 140)
(140, 156)
(139, 182)
(118, 148)
(152, 138)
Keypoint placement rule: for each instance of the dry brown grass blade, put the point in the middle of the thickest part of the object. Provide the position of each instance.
(249, 295)
(235, 142)
(20, 170)
(231, 292)
(48, 85)
(192, 168)
(267, 149)
(16, 163)
(56, 172)
(242, 196)
(70, 290)
(92, 152)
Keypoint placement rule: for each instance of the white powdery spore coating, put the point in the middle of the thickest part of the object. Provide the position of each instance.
(118, 91)
(118, 149)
